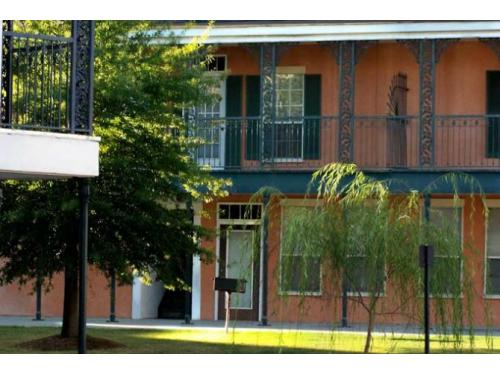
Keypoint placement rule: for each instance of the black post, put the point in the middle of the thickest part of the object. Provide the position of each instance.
(344, 303)
(425, 255)
(265, 249)
(38, 313)
(84, 224)
(112, 297)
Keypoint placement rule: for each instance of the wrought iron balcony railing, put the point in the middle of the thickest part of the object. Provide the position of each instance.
(386, 142)
(467, 142)
(38, 82)
(250, 143)
(378, 143)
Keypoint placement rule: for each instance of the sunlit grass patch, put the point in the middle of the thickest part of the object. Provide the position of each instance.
(251, 341)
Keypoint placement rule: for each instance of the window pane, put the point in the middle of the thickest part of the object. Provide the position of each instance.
(493, 277)
(296, 97)
(494, 232)
(359, 279)
(300, 274)
(446, 276)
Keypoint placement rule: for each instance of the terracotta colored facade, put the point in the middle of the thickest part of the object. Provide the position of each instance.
(460, 130)
(326, 307)
(18, 300)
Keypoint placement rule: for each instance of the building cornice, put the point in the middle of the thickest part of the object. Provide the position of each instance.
(337, 31)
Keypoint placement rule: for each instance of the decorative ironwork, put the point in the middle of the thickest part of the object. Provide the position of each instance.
(441, 46)
(6, 75)
(494, 44)
(427, 94)
(82, 74)
(362, 47)
(267, 97)
(347, 54)
(413, 46)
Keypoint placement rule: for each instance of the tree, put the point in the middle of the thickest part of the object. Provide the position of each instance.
(136, 223)
(368, 240)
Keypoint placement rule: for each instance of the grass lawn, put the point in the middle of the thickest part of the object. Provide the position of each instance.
(259, 341)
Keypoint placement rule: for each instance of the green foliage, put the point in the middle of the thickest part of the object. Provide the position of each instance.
(138, 219)
(367, 241)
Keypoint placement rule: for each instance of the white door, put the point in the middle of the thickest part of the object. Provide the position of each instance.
(239, 265)
(211, 127)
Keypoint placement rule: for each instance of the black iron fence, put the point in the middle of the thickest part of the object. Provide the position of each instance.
(377, 143)
(467, 141)
(386, 142)
(250, 143)
(37, 82)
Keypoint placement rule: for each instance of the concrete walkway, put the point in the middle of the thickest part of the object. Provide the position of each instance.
(163, 324)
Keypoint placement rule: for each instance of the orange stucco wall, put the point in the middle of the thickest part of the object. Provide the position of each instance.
(460, 90)
(326, 308)
(19, 301)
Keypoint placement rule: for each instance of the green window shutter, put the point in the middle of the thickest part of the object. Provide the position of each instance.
(312, 107)
(493, 108)
(234, 88)
(253, 110)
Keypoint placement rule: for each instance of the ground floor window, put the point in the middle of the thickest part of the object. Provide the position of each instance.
(300, 271)
(492, 277)
(363, 277)
(446, 272)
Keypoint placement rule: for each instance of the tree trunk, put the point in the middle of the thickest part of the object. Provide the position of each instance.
(70, 312)
(371, 321)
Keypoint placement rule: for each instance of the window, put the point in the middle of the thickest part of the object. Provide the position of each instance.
(446, 271)
(300, 273)
(358, 273)
(217, 64)
(289, 116)
(493, 109)
(492, 278)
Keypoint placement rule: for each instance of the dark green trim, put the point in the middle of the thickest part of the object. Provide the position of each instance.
(312, 107)
(253, 138)
(297, 182)
(234, 97)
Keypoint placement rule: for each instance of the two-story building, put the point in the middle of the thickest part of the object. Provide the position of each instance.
(404, 100)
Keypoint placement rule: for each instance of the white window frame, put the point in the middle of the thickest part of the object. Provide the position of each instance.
(490, 203)
(294, 70)
(296, 203)
(220, 162)
(451, 203)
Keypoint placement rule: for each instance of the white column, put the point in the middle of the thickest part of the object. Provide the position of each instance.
(196, 281)
(136, 298)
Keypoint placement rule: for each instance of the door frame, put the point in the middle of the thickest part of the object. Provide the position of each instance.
(244, 222)
(252, 233)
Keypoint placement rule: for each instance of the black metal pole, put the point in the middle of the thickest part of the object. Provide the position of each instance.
(427, 203)
(38, 313)
(344, 304)
(84, 224)
(112, 297)
(265, 225)
(188, 272)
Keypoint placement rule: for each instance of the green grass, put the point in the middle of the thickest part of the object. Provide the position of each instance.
(237, 341)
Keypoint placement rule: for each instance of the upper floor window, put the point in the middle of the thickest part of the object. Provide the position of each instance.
(289, 95)
(217, 64)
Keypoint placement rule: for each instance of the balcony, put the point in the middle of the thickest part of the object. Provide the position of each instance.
(45, 115)
(378, 143)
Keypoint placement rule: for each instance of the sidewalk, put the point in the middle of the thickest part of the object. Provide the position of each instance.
(163, 324)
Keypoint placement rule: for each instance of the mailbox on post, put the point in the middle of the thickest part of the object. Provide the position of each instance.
(229, 286)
